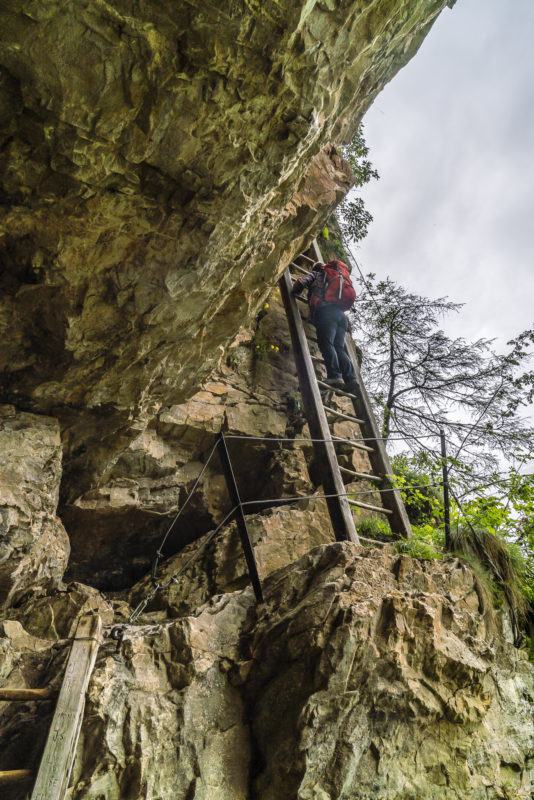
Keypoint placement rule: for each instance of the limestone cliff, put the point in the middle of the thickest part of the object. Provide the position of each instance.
(161, 163)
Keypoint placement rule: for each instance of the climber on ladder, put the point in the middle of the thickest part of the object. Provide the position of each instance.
(330, 294)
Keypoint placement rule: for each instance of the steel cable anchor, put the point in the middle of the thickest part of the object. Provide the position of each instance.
(138, 610)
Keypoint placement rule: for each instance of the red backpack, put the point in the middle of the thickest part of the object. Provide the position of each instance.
(338, 287)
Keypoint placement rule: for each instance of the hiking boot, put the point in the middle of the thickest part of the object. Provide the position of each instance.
(353, 387)
(335, 383)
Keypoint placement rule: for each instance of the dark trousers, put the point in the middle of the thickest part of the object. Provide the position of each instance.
(331, 326)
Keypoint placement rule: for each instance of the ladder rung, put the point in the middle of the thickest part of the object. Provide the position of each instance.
(364, 475)
(370, 507)
(14, 776)
(313, 260)
(373, 541)
(344, 416)
(337, 391)
(26, 694)
(300, 269)
(301, 298)
(357, 445)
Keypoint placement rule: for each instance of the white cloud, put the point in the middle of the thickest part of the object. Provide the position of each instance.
(452, 137)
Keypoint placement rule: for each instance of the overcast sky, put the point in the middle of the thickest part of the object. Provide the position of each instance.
(452, 137)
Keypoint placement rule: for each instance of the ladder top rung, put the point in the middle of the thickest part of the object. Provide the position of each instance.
(364, 475)
(313, 260)
(369, 507)
(345, 416)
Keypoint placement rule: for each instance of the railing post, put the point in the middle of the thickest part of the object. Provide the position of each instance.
(235, 499)
(445, 484)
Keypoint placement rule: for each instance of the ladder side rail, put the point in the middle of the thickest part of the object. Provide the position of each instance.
(379, 458)
(60, 749)
(338, 507)
(380, 463)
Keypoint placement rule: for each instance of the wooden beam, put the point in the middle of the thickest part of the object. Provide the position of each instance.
(338, 507)
(26, 694)
(58, 757)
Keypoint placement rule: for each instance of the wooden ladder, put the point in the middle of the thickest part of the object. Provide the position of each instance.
(339, 505)
(58, 757)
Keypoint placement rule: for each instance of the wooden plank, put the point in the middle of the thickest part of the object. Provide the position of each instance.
(60, 749)
(26, 694)
(11, 776)
(338, 507)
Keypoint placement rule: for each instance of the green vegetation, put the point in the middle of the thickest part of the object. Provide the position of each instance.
(492, 532)
(422, 380)
(333, 244)
(352, 217)
(261, 346)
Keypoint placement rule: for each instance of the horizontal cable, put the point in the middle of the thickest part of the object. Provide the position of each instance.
(345, 439)
(297, 498)
(497, 483)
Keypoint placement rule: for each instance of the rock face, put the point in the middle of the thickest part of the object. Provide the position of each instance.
(160, 164)
(34, 547)
(365, 675)
(254, 394)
